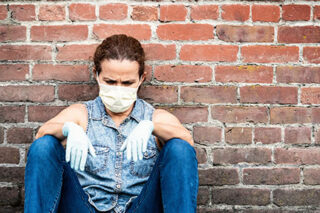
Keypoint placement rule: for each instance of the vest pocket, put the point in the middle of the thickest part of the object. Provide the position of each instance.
(98, 163)
(143, 168)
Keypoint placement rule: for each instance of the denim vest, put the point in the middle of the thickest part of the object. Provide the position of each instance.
(111, 180)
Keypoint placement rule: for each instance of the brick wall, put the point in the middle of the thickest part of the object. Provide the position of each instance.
(242, 76)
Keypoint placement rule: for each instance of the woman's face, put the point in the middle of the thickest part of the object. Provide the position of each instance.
(120, 73)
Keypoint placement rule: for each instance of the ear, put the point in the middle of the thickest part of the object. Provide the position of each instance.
(143, 78)
(95, 74)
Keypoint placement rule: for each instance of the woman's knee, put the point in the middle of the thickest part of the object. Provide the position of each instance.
(179, 149)
(44, 147)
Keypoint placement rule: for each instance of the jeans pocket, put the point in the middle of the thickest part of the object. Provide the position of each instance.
(98, 163)
(142, 168)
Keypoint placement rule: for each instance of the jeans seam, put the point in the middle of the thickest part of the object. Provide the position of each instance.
(59, 192)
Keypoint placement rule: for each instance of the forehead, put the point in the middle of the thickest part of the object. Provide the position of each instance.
(119, 68)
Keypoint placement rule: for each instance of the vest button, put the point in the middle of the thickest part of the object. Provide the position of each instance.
(118, 186)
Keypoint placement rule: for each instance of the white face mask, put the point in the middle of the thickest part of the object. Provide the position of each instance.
(116, 98)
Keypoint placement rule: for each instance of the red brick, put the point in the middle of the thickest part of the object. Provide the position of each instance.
(290, 115)
(173, 12)
(268, 94)
(311, 54)
(315, 115)
(203, 196)
(52, 13)
(266, 13)
(9, 155)
(241, 196)
(296, 197)
(218, 176)
(24, 12)
(201, 155)
(19, 135)
(267, 54)
(204, 12)
(27, 93)
(16, 72)
(296, 12)
(159, 94)
(188, 114)
(298, 74)
(61, 72)
(317, 135)
(43, 113)
(207, 135)
(267, 135)
(160, 51)
(271, 176)
(3, 12)
(297, 156)
(25, 52)
(12, 114)
(297, 135)
(82, 12)
(12, 33)
(113, 11)
(311, 176)
(316, 12)
(1, 135)
(299, 34)
(9, 195)
(78, 92)
(310, 95)
(12, 174)
(227, 53)
(235, 12)
(185, 32)
(244, 74)
(244, 33)
(76, 52)
(213, 94)
(148, 69)
(238, 135)
(59, 33)
(138, 31)
(241, 155)
(183, 73)
(239, 114)
(144, 13)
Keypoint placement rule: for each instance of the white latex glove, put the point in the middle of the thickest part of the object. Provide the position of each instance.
(137, 141)
(77, 147)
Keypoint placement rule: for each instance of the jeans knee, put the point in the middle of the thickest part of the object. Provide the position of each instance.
(180, 150)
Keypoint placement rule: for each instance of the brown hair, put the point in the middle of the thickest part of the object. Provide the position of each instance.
(119, 47)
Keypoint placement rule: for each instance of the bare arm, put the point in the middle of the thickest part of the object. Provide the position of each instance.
(167, 126)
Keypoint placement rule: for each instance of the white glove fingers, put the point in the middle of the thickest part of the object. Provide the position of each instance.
(124, 145)
(83, 160)
(91, 149)
(134, 150)
(128, 150)
(72, 157)
(144, 146)
(139, 145)
(78, 159)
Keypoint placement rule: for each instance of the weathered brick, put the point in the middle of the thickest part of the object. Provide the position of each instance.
(201, 155)
(268, 94)
(235, 12)
(76, 92)
(144, 13)
(160, 51)
(12, 33)
(138, 31)
(265, 13)
(76, 52)
(59, 33)
(18, 72)
(218, 176)
(310, 95)
(298, 74)
(3, 12)
(241, 155)
(9, 195)
(188, 114)
(61, 72)
(23, 12)
(267, 135)
(1, 135)
(173, 13)
(43, 113)
(239, 114)
(244, 33)
(207, 135)
(12, 114)
(82, 12)
(271, 176)
(9, 155)
(183, 73)
(316, 12)
(185, 32)
(267, 54)
(25, 52)
(238, 135)
(291, 115)
(159, 94)
(299, 34)
(115, 11)
(19, 135)
(203, 196)
(296, 197)
(214, 94)
(52, 13)
(297, 156)
(12, 174)
(27, 93)
(311, 54)
(204, 12)
(244, 74)
(297, 135)
(292, 12)
(241, 196)
(311, 176)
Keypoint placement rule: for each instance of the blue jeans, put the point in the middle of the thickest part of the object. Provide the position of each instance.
(51, 185)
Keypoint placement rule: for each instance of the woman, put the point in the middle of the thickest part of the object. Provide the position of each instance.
(121, 154)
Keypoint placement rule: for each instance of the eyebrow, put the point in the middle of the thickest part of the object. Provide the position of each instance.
(110, 79)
